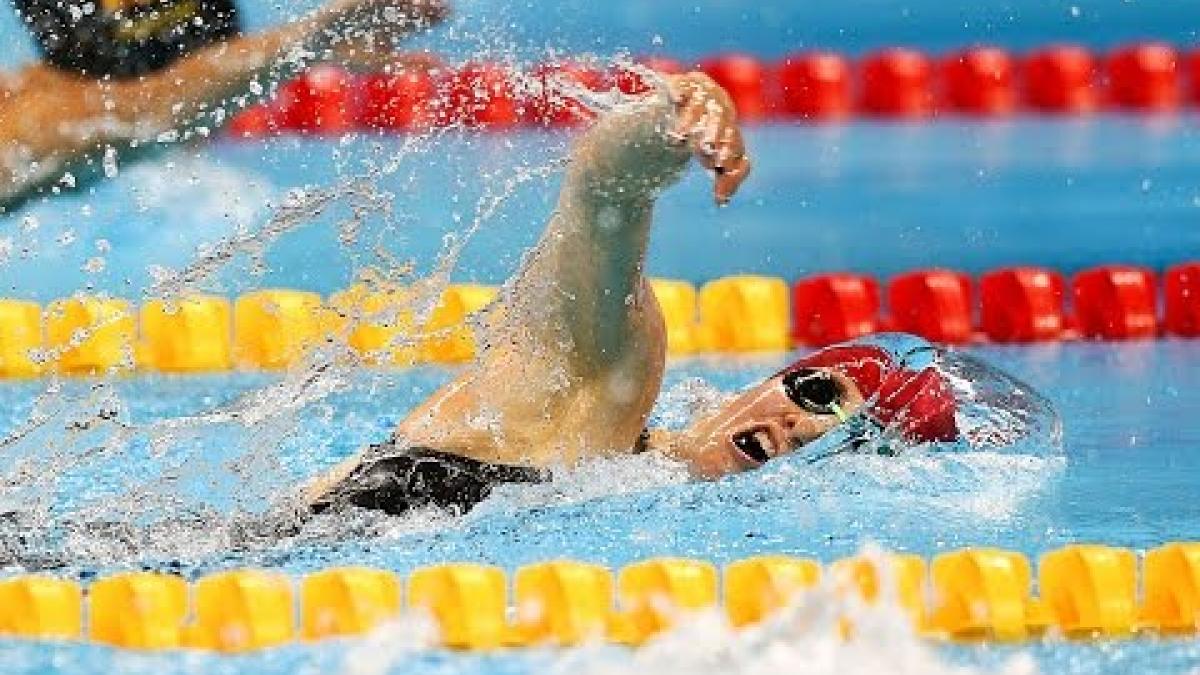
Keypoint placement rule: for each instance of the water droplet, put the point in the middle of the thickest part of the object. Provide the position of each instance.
(110, 162)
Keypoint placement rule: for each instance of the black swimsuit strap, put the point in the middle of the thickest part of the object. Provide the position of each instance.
(488, 471)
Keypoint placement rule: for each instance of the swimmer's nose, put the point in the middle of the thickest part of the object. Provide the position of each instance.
(790, 422)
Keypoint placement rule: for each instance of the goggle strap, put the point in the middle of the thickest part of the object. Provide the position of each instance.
(841, 414)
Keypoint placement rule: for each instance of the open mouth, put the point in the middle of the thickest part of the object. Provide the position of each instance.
(758, 445)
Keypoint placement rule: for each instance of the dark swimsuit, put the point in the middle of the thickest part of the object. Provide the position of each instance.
(124, 38)
(421, 477)
(398, 481)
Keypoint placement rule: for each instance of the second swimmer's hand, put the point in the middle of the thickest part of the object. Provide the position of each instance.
(377, 25)
(706, 121)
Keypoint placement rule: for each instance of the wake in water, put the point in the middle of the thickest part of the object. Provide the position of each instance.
(852, 486)
(68, 492)
(178, 521)
(72, 498)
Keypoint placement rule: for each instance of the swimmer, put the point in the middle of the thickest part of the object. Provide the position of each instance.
(119, 75)
(574, 352)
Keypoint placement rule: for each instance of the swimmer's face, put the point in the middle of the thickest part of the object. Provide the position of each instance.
(770, 420)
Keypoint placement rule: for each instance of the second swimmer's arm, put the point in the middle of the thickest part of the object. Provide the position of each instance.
(50, 119)
(190, 91)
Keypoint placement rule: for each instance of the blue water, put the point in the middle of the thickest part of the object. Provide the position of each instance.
(868, 197)
(1129, 480)
(1130, 469)
(873, 198)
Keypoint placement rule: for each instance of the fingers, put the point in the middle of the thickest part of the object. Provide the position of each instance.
(706, 119)
(434, 11)
(729, 179)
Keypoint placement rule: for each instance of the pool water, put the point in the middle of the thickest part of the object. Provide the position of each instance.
(1128, 480)
(875, 198)
(163, 472)
(868, 197)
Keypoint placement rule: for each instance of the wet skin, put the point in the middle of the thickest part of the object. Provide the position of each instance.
(577, 345)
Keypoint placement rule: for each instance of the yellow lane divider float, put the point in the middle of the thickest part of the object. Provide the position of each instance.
(745, 314)
(90, 335)
(273, 329)
(1086, 591)
(20, 337)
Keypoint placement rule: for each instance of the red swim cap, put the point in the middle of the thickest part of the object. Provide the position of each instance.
(921, 404)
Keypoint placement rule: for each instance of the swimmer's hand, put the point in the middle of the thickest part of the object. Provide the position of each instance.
(706, 121)
(369, 30)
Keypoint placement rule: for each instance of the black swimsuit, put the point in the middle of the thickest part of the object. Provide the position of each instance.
(421, 477)
(124, 38)
(397, 481)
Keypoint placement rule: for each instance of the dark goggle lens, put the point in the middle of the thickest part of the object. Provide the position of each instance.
(814, 390)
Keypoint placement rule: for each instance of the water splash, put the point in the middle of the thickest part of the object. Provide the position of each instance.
(71, 431)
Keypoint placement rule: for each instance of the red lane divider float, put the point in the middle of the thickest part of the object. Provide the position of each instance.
(1015, 304)
(398, 101)
(815, 86)
(1190, 65)
(746, 80)
(1181, 285)
(831, 308)
(1061, 79)
(482, 95)
(1144, 77)
(979, 81)
(932, 303)
(897, 83)
(1021, 304)
(1115, 302)
(319, 100)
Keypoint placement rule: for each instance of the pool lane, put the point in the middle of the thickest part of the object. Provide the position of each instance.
(867, 197)
(1129, 480)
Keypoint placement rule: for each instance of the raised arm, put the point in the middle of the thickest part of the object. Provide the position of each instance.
(587, 270)
(575, 348)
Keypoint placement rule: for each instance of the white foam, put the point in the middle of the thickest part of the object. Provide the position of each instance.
(390, 643)
(604, 477)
